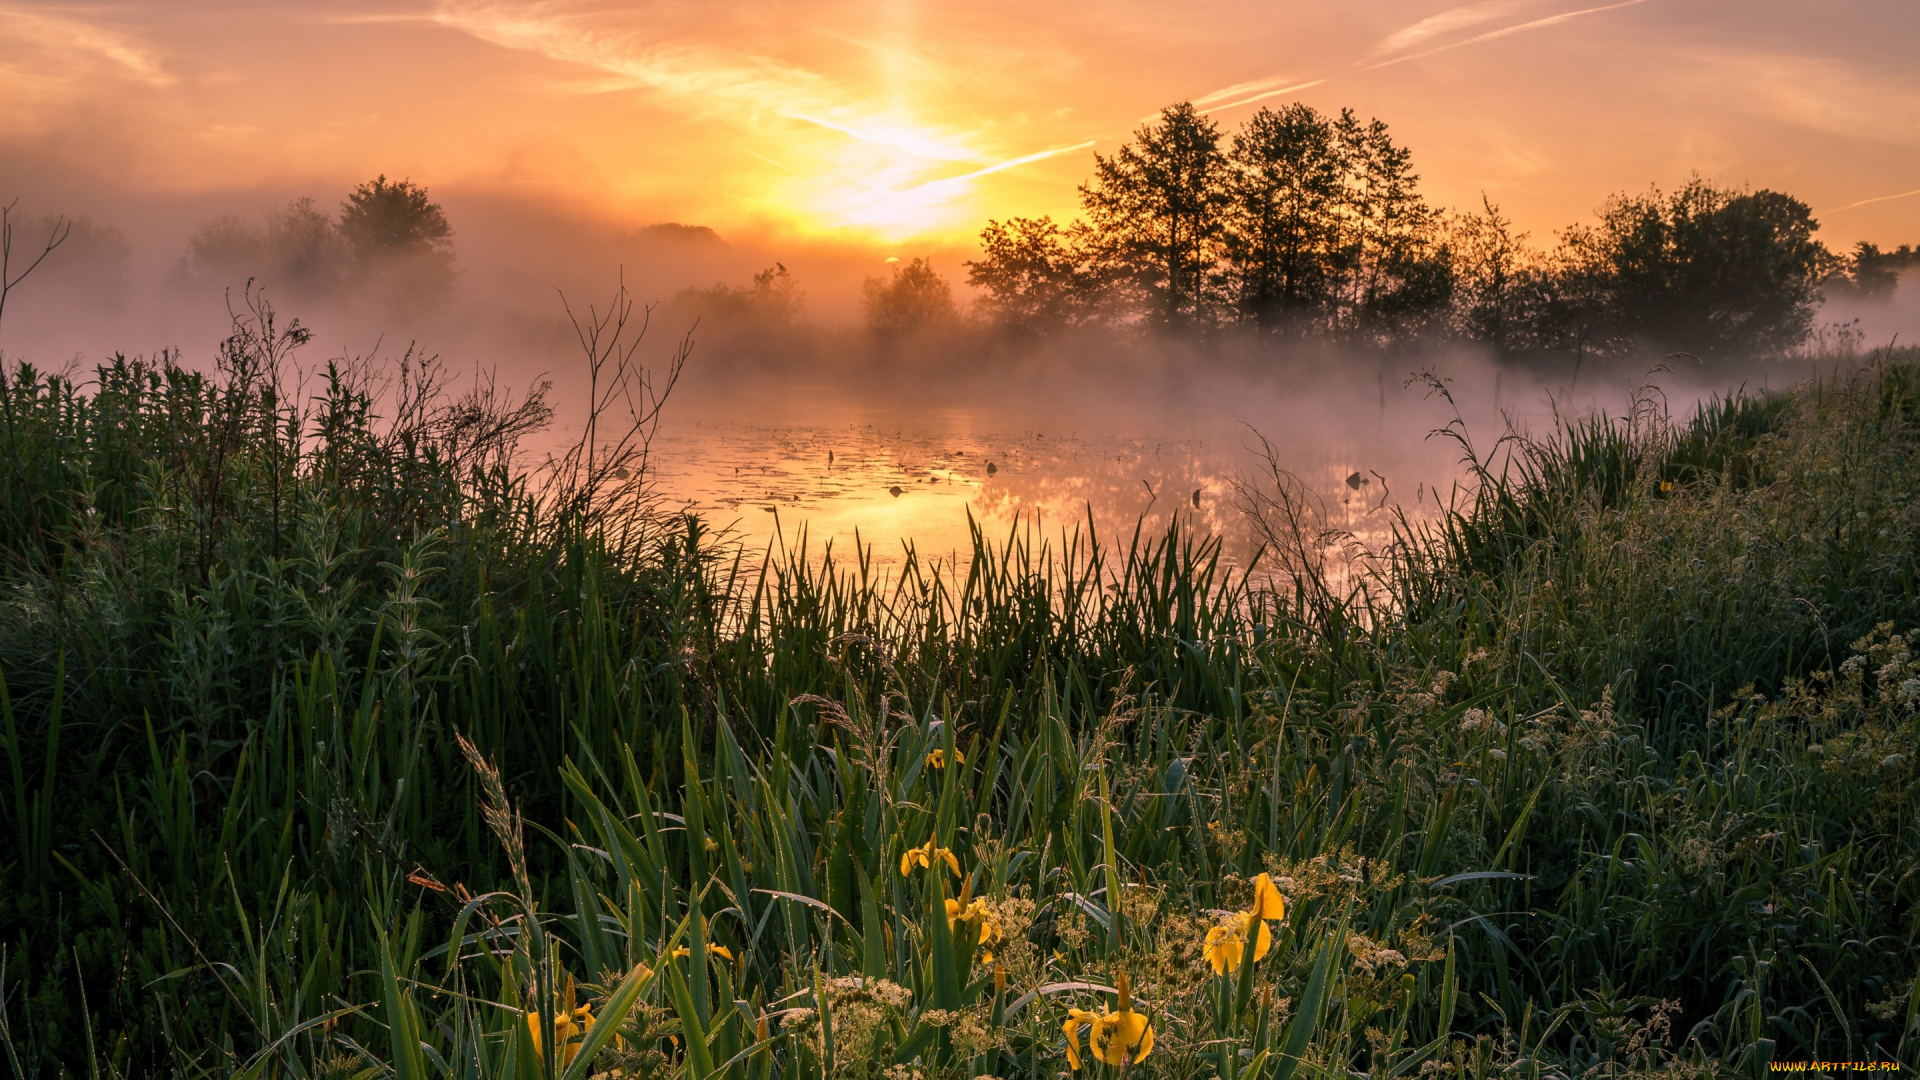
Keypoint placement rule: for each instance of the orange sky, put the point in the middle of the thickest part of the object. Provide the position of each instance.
(903, 124)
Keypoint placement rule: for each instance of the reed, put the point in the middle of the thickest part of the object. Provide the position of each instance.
(333, 751)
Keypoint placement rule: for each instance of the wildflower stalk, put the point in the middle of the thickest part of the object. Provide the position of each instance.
(1115, 934)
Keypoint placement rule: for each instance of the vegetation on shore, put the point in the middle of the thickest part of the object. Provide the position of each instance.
(335, 747)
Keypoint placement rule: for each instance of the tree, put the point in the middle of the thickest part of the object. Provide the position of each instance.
(1157, 208)
(1285, 226)
(1870, 273)
(295, 249)
(1706, 270)
(384, 218)
(913, 297)
(1033, 275)
(303, 248)
(775, 296)
(773, 301)
(1393, 272)
(1491, 267)
(92, 264)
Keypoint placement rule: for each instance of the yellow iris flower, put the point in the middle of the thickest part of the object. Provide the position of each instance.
(938, 759)
(1227, 943)
(973, 914)
(1076, 1019)
(977, 912)
(683, 952)
(1267, 903)
(568, 1029)
(1117, 1038)
(927, 856)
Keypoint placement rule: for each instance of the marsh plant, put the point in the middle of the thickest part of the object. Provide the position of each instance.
(336, 745)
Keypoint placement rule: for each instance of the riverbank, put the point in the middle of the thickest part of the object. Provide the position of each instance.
(1612, 767)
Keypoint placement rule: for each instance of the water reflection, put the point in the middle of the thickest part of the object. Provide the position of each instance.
(924, 476)
(861, 458)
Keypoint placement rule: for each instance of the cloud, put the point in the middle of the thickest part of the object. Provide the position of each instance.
(916, 142)
(1868, 202)
(1535, 24)
(1246, 93)
(50, 64)
(51, 41)
(1446, 22)
(688, 72)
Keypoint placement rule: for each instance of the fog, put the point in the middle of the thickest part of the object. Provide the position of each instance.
(798, 421)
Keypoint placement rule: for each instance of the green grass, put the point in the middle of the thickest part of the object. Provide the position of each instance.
(1592, 781)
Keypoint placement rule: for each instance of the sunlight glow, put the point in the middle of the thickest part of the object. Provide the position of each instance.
(854, 158)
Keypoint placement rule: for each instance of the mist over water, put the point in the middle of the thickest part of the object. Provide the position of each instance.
(819, 433)
(1139, 436)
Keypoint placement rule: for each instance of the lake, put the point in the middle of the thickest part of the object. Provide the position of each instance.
(880, 464)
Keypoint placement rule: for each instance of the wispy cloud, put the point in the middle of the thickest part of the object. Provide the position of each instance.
(885, 205)
(1869, 202)
(1273, 84)
(1446, 22)
(685, 71)
(1246, 93)
(1825, 94)
(1014, 163)
(900, 137)
(49, 64)
(47, 43)
(1507, 31)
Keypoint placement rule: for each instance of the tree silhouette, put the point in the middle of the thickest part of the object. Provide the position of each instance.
(1870, 273)
(1284, 239)
(1392, 271)
(1492, 271)
(1157, 211)
(387, 218)
(1033, 274)
(1705, 270)
(1316, 225)
(913, 297)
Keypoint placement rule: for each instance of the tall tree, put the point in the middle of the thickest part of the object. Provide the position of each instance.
(1392, 270)
(1157, 207)
(1285, 227)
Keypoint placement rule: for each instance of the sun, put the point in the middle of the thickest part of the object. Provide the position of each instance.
(884, 174)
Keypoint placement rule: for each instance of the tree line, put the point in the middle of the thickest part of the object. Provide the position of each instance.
(386, 233)
(1300, 224)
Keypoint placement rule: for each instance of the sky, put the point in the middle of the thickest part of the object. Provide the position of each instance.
(895, 125)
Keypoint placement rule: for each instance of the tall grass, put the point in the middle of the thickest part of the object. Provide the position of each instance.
(332, 753)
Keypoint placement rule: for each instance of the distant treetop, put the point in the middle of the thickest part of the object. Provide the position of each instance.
(387, 217)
